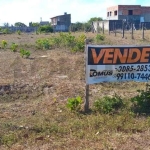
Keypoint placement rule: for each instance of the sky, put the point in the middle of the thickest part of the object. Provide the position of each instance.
(26, 11)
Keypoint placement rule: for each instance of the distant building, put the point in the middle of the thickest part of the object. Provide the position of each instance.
(61, 23)
(44, 23)
(129, 13)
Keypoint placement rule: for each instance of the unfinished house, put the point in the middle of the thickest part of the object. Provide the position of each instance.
(127, 14)
(61, 23)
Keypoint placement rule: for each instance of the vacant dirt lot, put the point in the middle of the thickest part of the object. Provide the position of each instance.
(38, 87)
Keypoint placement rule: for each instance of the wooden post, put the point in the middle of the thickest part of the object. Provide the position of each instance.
(132, 30)
(103, 27)
(143, 31)
(86, 101)
(122, 29)
(115, 28)
(97, 28)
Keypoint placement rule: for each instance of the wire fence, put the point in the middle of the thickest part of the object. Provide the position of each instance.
(122, 27)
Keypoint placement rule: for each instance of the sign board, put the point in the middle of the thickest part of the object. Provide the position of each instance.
(117, 63)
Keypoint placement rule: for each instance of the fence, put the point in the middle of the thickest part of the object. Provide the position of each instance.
(120, 27)
(22, 29)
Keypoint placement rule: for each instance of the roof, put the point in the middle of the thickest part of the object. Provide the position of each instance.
(60, 16)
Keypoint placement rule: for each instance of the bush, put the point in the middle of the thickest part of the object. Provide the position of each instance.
(43, 44)
(74, 104)
(108, 104)
(80, 43)
(18, 32)
(45, 29)
(6, 31)
(25, 53)
(141, 102)
(13, 47)
(4, 43)
(100, 37)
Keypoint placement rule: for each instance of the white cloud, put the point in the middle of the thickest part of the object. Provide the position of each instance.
(81, 10)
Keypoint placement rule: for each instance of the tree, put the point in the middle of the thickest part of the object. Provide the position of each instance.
(20, 24)
(78, 26)
(95, 19)
(34, 24)
(45, 28)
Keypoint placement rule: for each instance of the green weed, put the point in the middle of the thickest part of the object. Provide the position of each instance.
(13, 47)
(74, 104)
(141, 102)
(4, 44)
(25, 53)
(108, 104)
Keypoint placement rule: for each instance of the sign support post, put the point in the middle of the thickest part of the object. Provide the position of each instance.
(86, 100)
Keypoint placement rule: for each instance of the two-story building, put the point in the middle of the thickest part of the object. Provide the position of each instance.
(129, 13)
(61, 23)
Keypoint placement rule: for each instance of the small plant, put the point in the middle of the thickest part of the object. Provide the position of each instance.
(79, 44)
(100, 37)
(4, 43)
(18, 32)
(43, 44)
(14, 47)
(25, 53)
(141, 102)
(74, 104)
(108, 104)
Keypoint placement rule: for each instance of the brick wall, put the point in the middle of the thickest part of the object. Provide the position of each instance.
(145, 10)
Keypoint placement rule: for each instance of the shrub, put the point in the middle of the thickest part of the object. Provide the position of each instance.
(141, 102)
(64, 40)
(108, 104)
(25, 53)
(45, 28)
(18, 32)
(79, 44)
(100, 37)
(13, 47)
(43, 44)
(74, 104)
(6, 31)
(4, 43)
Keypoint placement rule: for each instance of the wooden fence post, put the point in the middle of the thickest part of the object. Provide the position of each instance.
(115, 28)
(103, 28)
(143, 31)
(86, 101)
(122, 29)
(132, 31)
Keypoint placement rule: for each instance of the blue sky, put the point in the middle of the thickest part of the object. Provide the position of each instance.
(25, 11)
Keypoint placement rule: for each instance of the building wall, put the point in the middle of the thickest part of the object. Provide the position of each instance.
(135, 13)
(111, 13)
(61, 23)
(123, 9)
(97, 25)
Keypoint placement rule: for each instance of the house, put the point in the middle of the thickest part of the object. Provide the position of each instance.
(61, 23)
(127, 14)
(44, 23)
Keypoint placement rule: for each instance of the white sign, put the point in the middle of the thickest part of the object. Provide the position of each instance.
(117, 63)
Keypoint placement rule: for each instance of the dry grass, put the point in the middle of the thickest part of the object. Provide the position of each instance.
(35, 116)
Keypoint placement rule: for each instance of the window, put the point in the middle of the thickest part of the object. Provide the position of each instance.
(130, 12)
(107, 14)
(110, 13)
(115, 12)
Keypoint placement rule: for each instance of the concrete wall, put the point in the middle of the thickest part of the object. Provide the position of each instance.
(98, 25)
(61, 23)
